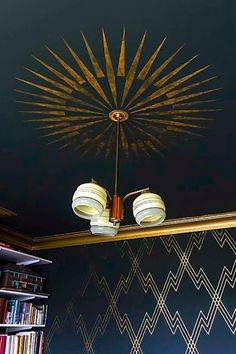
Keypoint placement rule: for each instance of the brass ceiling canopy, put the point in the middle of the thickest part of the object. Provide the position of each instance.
(118, 115)
(78, 104)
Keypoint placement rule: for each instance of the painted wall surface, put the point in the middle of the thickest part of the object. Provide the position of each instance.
(169, 295)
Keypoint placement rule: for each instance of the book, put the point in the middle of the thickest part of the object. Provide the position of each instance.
(41, 344)
(2, 308)
(15, 345)
(8, 345)
(21, 342)
(3, 339)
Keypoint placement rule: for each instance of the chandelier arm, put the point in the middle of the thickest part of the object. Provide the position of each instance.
(135, 192)
(108, 194)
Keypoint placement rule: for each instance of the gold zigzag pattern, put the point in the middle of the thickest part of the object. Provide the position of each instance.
(147, 90)
(175, 322)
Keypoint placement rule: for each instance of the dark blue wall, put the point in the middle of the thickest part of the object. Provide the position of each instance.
(170, 295)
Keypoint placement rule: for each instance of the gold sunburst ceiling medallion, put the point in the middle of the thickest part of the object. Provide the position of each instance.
(156, 100)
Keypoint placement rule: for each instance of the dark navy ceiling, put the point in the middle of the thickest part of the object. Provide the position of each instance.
(195, 177)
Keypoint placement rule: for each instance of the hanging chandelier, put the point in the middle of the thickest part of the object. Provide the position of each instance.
(105, 212)
(94, 107)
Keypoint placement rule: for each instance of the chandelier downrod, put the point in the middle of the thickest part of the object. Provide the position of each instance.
(116, 203)
(117, 160)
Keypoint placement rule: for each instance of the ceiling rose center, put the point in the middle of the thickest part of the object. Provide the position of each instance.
(118, 115)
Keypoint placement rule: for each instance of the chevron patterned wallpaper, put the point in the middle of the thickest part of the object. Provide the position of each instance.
(169, 295)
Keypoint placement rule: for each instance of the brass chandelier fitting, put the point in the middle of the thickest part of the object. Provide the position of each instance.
(105, 212)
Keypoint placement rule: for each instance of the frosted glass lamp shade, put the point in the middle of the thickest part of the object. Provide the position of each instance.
(149, 210)
(88, 200)
(101, 226)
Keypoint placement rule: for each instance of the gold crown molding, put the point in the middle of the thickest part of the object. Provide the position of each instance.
(169, 227)
(81, 238)
(15, 237)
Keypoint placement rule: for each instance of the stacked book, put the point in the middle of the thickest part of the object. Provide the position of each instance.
(22, 313)
(22, 343)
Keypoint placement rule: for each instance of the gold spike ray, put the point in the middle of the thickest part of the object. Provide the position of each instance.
(64, 146)
(183, 131)
(96, 66)
(168, 88)
(109, 68)
(54, 126)
(89, 76)
(43, 97)
(132, 71)
(99, 148)
(43, 88)
(192, 118)
(85, 92)
(153, 77)
(133, 145)
(121, 63)
(73, 128)
(62, 95)
(134, 148)
(145, 70)
(92, 141)
(50, 81)
(64, 137)
(53, 113)
(176, 111)
(154, 138)
(193, 103)
(57, 73)
(54, 106)
(71, 71)
(173, 101)
(124, 141)
(66, 98)
(84, 103)
(170, 122)
(166, 78)
(189, 87)
(140, 143)
(70, 82)
(109, 144)
(153, 147)
(84, 139)
(63, 118)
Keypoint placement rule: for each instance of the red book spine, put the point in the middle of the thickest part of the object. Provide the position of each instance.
(2, 308)
(3, 344)
(4, 313)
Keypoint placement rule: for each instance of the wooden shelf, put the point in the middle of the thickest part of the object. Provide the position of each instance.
(20, 258)
(20, 295)
(19, 327)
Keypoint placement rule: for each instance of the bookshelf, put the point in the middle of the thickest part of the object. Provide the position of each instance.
(20, 258)
(21, 295)
(16, 328)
